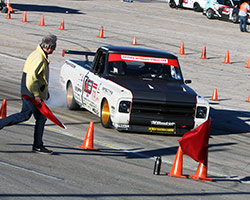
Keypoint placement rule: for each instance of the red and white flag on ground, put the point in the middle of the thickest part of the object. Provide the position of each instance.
(195, 143)
(43, 108)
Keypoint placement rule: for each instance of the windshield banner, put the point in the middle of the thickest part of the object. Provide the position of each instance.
(133, 58)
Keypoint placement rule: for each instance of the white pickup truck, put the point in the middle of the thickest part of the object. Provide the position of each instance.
(133, 89)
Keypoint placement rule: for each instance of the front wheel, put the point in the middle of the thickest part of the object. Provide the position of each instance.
(210, 14)
(105, 115)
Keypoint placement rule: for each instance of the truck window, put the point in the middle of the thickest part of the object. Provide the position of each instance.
(100, 65)
(144, 70)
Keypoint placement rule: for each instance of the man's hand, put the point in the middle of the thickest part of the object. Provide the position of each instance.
(38, 99)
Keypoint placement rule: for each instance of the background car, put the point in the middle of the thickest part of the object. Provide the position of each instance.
(223, 9)
(196, 5)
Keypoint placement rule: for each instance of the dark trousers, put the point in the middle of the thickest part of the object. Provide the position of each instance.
(243, 23)
(27, 110)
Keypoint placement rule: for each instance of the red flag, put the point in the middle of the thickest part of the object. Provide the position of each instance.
(43, 108)
(195, 143)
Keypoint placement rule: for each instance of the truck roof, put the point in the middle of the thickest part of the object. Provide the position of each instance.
(138, 51)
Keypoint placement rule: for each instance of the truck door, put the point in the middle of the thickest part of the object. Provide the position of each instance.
(92, 83)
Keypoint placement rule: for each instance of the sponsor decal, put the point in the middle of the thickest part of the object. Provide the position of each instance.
(122, 126)
(77, 89)
(107, 91)
(161, 130)
(159, 123)
(95, 85)
(70, 64)
(89, 85)
(146, 59)
(94, 96)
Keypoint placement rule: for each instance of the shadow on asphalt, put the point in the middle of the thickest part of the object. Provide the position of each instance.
(226, 122)
(44, 8)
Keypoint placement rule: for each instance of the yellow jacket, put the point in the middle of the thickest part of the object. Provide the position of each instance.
(37, 72)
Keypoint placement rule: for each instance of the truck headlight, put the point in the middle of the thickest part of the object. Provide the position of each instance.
(124, 106)
(201, 112)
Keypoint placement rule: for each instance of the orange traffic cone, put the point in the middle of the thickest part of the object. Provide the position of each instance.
(201, 173)
(42, 21)
(227, 58)
(248, 100)
(8, 15)
(101, 33)
(177, 166)
(182, 49)
(89, 138)
(62, 25)
(248, 63)
(134, 41)
(24, 17)
(204, 55)
(214, 96)
(3, 109)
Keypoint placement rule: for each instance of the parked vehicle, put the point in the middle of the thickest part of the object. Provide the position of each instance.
(222, 9)
(196, 5)
(134, 89)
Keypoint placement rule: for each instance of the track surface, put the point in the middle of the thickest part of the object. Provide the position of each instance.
(123, 166)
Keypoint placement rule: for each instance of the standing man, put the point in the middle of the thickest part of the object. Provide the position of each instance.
(244, 9)
(34, 83)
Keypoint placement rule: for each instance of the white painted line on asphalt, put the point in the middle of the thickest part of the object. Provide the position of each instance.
(11, 56)
(31, 171)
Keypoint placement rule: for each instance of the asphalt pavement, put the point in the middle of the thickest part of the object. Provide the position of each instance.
(122, 168)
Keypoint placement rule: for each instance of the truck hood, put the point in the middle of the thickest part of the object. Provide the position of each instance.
(156, 89)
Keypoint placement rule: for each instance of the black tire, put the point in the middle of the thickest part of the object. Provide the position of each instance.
(210, 14)
(4, 9)
(235, 18)
(71, 102)
(197, 7)
(172, 4)
(105, 115)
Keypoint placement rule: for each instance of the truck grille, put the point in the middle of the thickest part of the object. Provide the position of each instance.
(144, 112)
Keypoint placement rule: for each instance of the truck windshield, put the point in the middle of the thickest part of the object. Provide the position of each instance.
(144, 70)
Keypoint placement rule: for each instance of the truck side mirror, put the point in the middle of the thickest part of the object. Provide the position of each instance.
(188, 81)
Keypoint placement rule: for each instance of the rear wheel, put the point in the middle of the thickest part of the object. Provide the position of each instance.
(235, 18)
(210, 14)
(71, 102)
(105, 115)
(197, 7)
(172, 4)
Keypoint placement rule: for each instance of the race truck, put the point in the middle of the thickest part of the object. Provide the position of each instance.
(133, 89)
(196, 5)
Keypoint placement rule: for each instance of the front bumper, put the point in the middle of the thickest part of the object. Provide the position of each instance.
(165, 130)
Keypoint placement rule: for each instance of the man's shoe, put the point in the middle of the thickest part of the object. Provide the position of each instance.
(42, 149)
